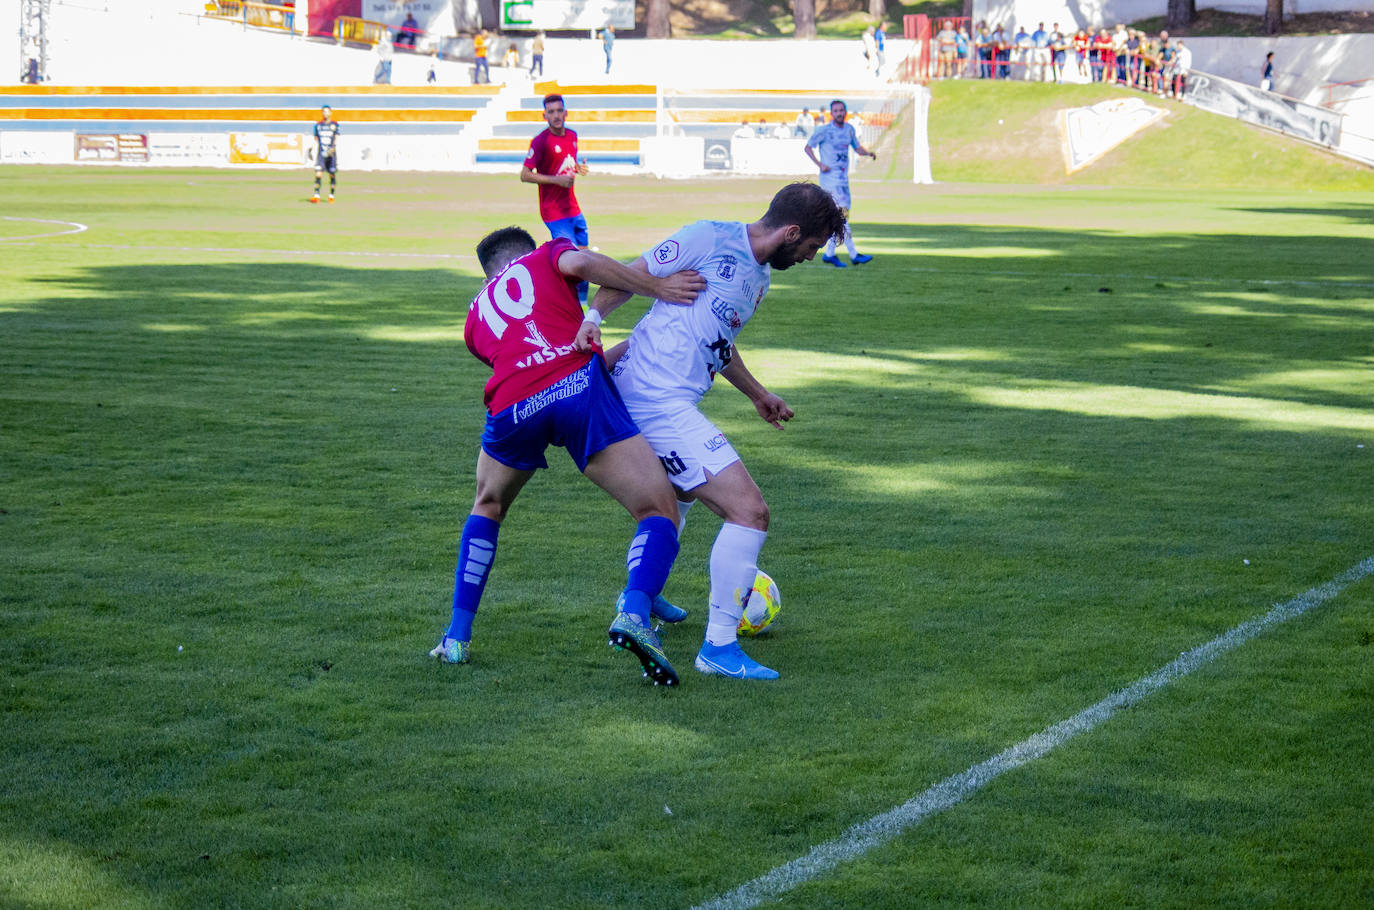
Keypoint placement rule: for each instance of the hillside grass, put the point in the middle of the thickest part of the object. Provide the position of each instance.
(1189, 148)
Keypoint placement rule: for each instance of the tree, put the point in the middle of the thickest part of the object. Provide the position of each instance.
(657, 24)
(804, 15)
(1273, 17)
(1180, 14)
(877, 9)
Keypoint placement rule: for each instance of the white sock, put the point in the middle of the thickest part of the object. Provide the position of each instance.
(682, 509)
(849, 242)
(734, 564)
(830, 245)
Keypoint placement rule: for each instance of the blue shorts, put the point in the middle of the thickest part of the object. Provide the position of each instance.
(574, 228)
(582, 412)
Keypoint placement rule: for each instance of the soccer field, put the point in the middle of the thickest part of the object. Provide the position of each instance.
(1046, 442)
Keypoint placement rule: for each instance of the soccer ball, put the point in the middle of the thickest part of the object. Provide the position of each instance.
(762, 606)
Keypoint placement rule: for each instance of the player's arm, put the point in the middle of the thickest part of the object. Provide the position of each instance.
(617, 283)
(530, 175)
(859, 147)
(770, 407)
(811, 153)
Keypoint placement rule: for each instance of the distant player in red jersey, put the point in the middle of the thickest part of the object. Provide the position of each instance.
(553, 165)
(544, 391)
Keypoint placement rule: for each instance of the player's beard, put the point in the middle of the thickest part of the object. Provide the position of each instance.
(785, 256)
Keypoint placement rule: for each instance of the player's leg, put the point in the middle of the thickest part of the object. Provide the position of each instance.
(607, 447)
(733, 495)
(319, 175)
(497, 486)
(333, 174)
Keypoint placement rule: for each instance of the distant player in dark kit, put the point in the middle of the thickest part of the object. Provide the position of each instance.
(326, 151)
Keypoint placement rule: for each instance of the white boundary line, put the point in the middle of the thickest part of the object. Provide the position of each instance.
(77, 227)
(953, 790)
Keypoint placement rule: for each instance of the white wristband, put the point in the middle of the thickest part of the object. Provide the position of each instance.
(593, 316)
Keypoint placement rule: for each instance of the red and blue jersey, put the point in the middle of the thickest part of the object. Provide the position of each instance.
(522, 325)
(551, 155)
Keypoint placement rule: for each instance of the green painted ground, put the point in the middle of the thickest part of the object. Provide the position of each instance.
(1036, 444)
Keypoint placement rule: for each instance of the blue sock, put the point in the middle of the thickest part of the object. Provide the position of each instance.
(475, 555)
(650, 560)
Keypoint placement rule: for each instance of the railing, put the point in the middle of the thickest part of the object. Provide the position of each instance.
(1333, 87)
(358, 31)
(259, 15)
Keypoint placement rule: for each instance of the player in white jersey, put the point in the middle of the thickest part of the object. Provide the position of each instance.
(671, 361)
(834, 140)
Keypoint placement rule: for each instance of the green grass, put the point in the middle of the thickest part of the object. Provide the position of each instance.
(1035, 443)
(1009, 132)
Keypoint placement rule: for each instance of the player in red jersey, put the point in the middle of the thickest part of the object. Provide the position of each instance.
(544, 391)
(552, 164)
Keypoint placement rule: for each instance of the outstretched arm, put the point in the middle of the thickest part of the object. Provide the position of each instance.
(770, 407)
(618, 283)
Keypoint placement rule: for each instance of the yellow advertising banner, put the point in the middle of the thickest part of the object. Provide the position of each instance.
(266, 148)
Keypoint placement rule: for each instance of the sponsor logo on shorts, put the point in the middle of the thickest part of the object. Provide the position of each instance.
(673, 463)
(727, 314)
(568, 387)
(716, 443)
(727, 266)
(666, 252)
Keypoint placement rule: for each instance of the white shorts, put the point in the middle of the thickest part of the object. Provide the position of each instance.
(686, 442)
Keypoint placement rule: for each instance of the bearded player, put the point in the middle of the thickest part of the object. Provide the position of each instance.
(672, 360)
(834, 140)
(553, 165)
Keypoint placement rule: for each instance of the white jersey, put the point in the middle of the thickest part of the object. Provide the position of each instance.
(676, 350)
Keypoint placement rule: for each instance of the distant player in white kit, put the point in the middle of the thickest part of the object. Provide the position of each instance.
(671, 361)
(834, 140)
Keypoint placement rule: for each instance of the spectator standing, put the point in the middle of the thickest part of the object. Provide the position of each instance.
(880, 42)
(481, 71)
(961, 52)
(1081, 44)
(805, 125)
(607, 42)
(433, 75)
(384, 51)
(1104, 62)
(1024, 46)
(1267, 79)
(1183, 62)
(1059, 50)
(1040, 54)
(1166, 65)
(870, 49)
(1119, 39)
(537, 55)
(1133, 58)
(983, 46)
(946, 48)
(1002, 52)
(512, 58)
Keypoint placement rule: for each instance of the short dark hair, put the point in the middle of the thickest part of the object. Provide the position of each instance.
(552, 97)
(840, 103)
(807, 206)
(500, 247)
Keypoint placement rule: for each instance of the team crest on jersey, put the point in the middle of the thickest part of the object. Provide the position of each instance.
(666, 252)
(726, 269)
(727, 314)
